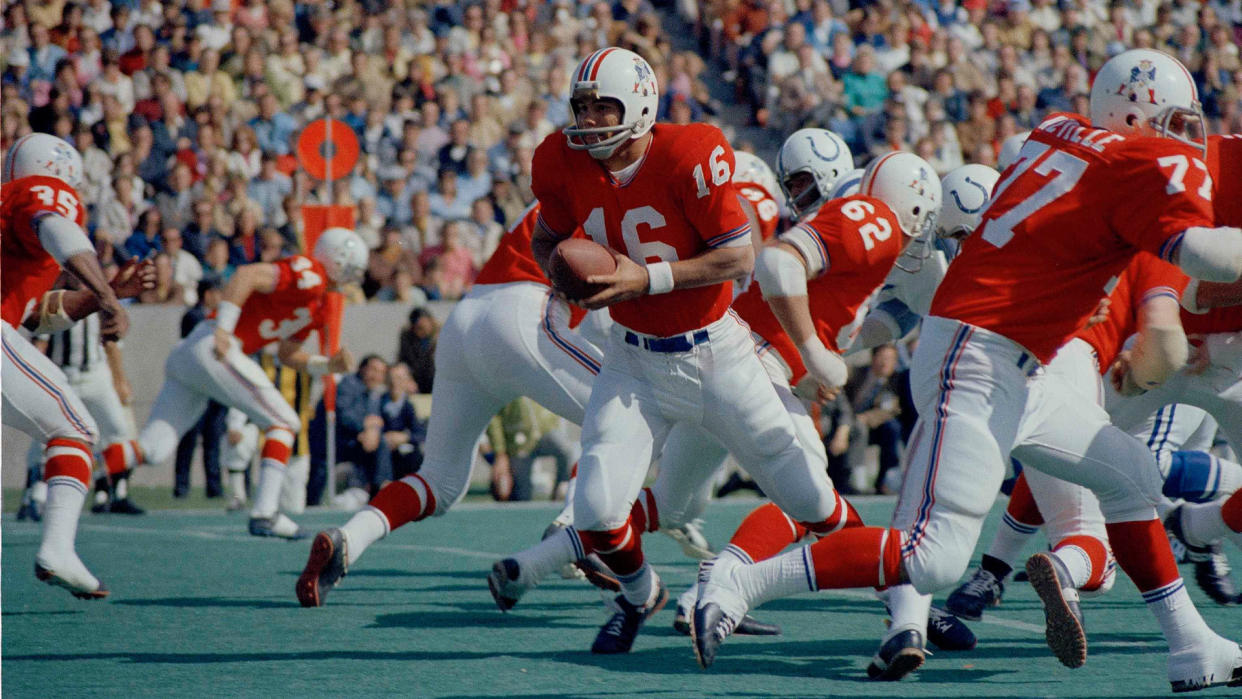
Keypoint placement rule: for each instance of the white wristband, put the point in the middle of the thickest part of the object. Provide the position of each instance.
(659, 278)
(227, 315)
(822, 363)
(317, 365)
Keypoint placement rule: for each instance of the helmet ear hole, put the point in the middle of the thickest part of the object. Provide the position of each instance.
(916, 210)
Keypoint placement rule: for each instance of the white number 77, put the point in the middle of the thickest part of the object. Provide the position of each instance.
(1177, 178)
(999, 231)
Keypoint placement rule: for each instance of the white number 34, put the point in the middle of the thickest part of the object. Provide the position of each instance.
(719, 168)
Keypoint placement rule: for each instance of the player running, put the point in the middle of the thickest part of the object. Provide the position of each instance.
(976, 375)
(263, 303)
(41, 217)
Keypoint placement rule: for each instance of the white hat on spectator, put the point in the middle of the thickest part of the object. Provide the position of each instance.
(314, 82)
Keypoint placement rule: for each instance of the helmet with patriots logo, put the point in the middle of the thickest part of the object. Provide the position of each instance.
(622, 76)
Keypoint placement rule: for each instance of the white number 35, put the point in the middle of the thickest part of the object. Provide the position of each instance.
(719, 168)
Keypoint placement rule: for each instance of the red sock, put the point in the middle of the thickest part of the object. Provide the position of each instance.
(857, 557)
(621, 548)
(278, 445)
(1095, 551)
(766, 531)
(1231, 511)
(644, 515)
(67, 458)
(121, 456)
(1022, 505)
(407, 500)
(1142, 551)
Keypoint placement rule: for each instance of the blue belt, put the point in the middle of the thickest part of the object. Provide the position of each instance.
(679, 343)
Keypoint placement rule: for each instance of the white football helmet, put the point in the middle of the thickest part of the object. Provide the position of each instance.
(750, 169)
(908, 184)
(342, 254)
(848, 184)
(625, 77)
(967, 191)
(43, 154)
(823, 155)
(1009, 150)
(1146, 92)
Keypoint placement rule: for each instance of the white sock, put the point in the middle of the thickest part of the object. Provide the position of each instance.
(548, 556)
(566, 515)
(1011, 538)
(909, 610)
(1183, 627)
(122, 488)
(639, 586)
(1077, 562)
(65, 497)
(1202, 524)
(1230, 477)
(237, 484)
(786, 574)
(271, 480)
(366, 527)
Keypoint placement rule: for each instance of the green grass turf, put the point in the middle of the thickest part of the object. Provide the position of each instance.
(198, 607)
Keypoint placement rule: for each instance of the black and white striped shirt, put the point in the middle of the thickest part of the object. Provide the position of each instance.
(80, 348)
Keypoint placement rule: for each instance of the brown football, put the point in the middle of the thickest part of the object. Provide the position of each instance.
(573, 261)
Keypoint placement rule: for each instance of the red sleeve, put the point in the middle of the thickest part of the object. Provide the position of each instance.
(704, 184)
(1155, 277)
(554, 209)
(1225, 164)
(1159, 193)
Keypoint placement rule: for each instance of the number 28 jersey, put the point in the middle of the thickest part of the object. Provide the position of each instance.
(1063, 223)
(29, 271)
(291, 311)
(679, 202)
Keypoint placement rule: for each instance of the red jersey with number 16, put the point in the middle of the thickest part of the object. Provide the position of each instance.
(680, 201)
(290, 311)
(29, 271)
(859, 238)
(1064, 222)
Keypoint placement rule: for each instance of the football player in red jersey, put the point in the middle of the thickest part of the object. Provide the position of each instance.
(42, 217)
(1069, 215)
(661, 197)
(509, 337)
(263, 303)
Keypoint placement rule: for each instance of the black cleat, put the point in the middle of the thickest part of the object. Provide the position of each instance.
(947, 632)
(125, 506)
(504, 582)
(897, 657)
(328, 563)
(748, 626)
(968, 601)
(618, 633)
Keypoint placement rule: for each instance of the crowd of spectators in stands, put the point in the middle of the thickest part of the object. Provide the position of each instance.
(187, 111)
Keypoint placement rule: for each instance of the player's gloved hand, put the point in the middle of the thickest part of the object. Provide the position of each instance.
(222, 343)
(114, 321)
(825, 365)
(342, 362)
(134, 278)
(629, 281)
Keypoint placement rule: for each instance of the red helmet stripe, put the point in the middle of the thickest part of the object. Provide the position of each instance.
(599, 61)
(865, 186)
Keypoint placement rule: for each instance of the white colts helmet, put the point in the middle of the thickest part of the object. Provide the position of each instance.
(967, 191)
(823, 155)
(616, 74)
(1144, 92)
(908, 184)
(342, 254)
(43, 154)
(1009, 150)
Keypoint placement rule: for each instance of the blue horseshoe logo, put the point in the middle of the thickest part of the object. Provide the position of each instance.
(821, 156)
(982, 190)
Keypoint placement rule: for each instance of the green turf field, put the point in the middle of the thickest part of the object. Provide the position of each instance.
(200, 608)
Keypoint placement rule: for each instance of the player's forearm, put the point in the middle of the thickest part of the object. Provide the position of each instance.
(713, 267)
(116, 365)
(85, 267)
(794, 315)
(542, 243)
